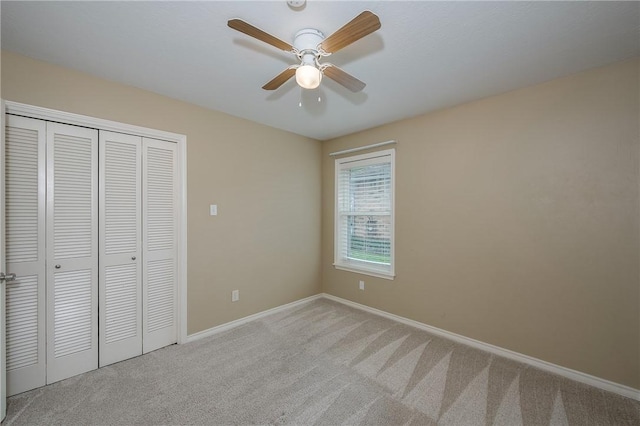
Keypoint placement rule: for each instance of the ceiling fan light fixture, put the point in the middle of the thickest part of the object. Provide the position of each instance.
(308, 76)
(309, 46)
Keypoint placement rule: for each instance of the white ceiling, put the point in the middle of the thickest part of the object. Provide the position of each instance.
(426, 56)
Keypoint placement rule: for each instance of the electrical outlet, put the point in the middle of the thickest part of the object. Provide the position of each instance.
(361, 285)
(235, 295)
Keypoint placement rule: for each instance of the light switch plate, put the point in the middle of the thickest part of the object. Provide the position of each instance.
(213, 210)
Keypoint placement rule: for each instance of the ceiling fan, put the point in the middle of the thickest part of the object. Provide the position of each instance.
(309, 46)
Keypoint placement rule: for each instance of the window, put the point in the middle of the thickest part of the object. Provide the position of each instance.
(364, 219)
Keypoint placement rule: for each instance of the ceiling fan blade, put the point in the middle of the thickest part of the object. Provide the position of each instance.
(343, 78)
(280, 79)
(250, 30)
(360, 26)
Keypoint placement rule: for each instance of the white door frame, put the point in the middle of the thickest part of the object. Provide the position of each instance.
(3, 346)
(113, 126)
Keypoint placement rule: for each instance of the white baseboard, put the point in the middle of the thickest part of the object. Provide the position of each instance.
(578, 376)
(232, 324)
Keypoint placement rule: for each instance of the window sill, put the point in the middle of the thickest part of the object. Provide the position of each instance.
(378, 274)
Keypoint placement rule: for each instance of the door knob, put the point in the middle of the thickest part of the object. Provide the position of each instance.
(7, 277)
(57, 266)
(133, 258)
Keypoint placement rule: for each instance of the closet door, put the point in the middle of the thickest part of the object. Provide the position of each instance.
(159, 244)
(72, 251)
(120, 253)
(25, 253)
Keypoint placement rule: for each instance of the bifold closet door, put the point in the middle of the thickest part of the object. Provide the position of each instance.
(72, 251)
(94, 247)
(159, 244)
(25, 253)
(120, 291)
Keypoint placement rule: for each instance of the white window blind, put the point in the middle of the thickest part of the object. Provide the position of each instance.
(364, 222)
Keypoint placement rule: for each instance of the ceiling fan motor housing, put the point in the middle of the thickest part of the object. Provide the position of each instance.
(306, 42)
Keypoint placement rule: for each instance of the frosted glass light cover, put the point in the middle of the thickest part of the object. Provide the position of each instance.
(308, 76)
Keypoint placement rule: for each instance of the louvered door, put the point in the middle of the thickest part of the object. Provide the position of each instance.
(69, 258)
(159, 244)
(25, 253)
(72, 251)
(120, 247)
(3, 265)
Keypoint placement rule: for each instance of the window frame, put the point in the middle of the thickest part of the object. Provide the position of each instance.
(354, 265)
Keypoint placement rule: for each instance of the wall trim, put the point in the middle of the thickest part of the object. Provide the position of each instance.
(64, 117)
(578, 376)
(3, 310)
(32, 111)
(235, 323)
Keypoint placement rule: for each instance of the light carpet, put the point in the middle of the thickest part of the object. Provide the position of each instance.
(321, 363)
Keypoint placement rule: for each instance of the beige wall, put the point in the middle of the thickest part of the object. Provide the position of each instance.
(265, 240)
(517, 222)
(517, 215)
